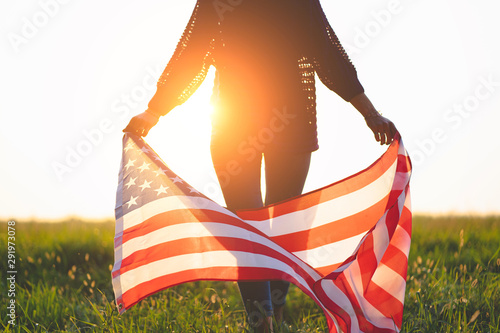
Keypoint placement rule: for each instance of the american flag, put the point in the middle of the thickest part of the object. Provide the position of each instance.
(345, 245)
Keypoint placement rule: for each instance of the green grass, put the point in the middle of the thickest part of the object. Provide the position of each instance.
(64, 284)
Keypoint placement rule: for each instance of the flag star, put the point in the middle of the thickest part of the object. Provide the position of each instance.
(192, 190)
(176, 180)
(161, 190)
(145, 185)
(159, 172)
(131, 182)
(145, 149)
(144, 166)
(130, 163)
(132, 201)
(130, 145)
(157, 158)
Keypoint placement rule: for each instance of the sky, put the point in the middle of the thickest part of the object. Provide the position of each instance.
(75, 72)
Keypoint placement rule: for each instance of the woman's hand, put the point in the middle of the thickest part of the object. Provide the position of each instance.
(383, 129)
(141, 124)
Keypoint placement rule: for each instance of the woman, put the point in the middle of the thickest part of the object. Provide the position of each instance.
(266, 54)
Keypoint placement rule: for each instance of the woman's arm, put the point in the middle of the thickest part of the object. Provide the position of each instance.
(189, 64)
(335, 70)
(330, 61)
(185, 71)
(383, 129)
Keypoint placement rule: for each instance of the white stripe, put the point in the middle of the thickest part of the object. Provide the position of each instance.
(380, 238)
(408, 199)
(188, 230)
(170, 203)
(117, 287)
(402, 240)
(341, 300)
(332, 210)
(118, 258)
(390, 281)
(330, 254)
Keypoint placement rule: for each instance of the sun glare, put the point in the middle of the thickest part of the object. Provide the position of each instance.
(182, 140)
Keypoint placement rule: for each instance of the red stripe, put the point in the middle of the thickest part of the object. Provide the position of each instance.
(384, 302)
(396, 260)
(392, 219)
(334, 231)
(367, 260)
(405, 220)
(147, 288)
(393, 199)
(325, 270)
(404, 164)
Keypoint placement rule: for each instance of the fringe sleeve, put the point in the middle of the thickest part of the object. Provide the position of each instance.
(190, 62)
(331, 63)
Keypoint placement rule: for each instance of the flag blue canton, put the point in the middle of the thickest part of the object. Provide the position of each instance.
(144, 177)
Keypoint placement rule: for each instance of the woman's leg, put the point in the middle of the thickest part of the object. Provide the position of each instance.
(241, 190)
(285, 178)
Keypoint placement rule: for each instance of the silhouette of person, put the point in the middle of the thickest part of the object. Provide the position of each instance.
(266, 54)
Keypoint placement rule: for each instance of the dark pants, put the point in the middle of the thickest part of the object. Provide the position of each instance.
(240, 179)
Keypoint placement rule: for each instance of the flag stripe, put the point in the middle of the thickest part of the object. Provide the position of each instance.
(334, 231)
(331, 254)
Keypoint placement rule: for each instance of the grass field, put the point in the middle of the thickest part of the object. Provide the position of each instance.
(63, 284)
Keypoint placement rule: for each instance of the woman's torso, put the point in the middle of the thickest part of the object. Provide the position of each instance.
(260, 82)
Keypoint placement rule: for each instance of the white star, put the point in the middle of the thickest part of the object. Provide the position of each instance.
(176, 180)
(131, 182)
(159, 172)
(161, 189)
(130, 145)
(130, 163)
(157, 158)
(145, 185)
(132, 201)
(192, 190)
(145, 149)
(144, 166)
